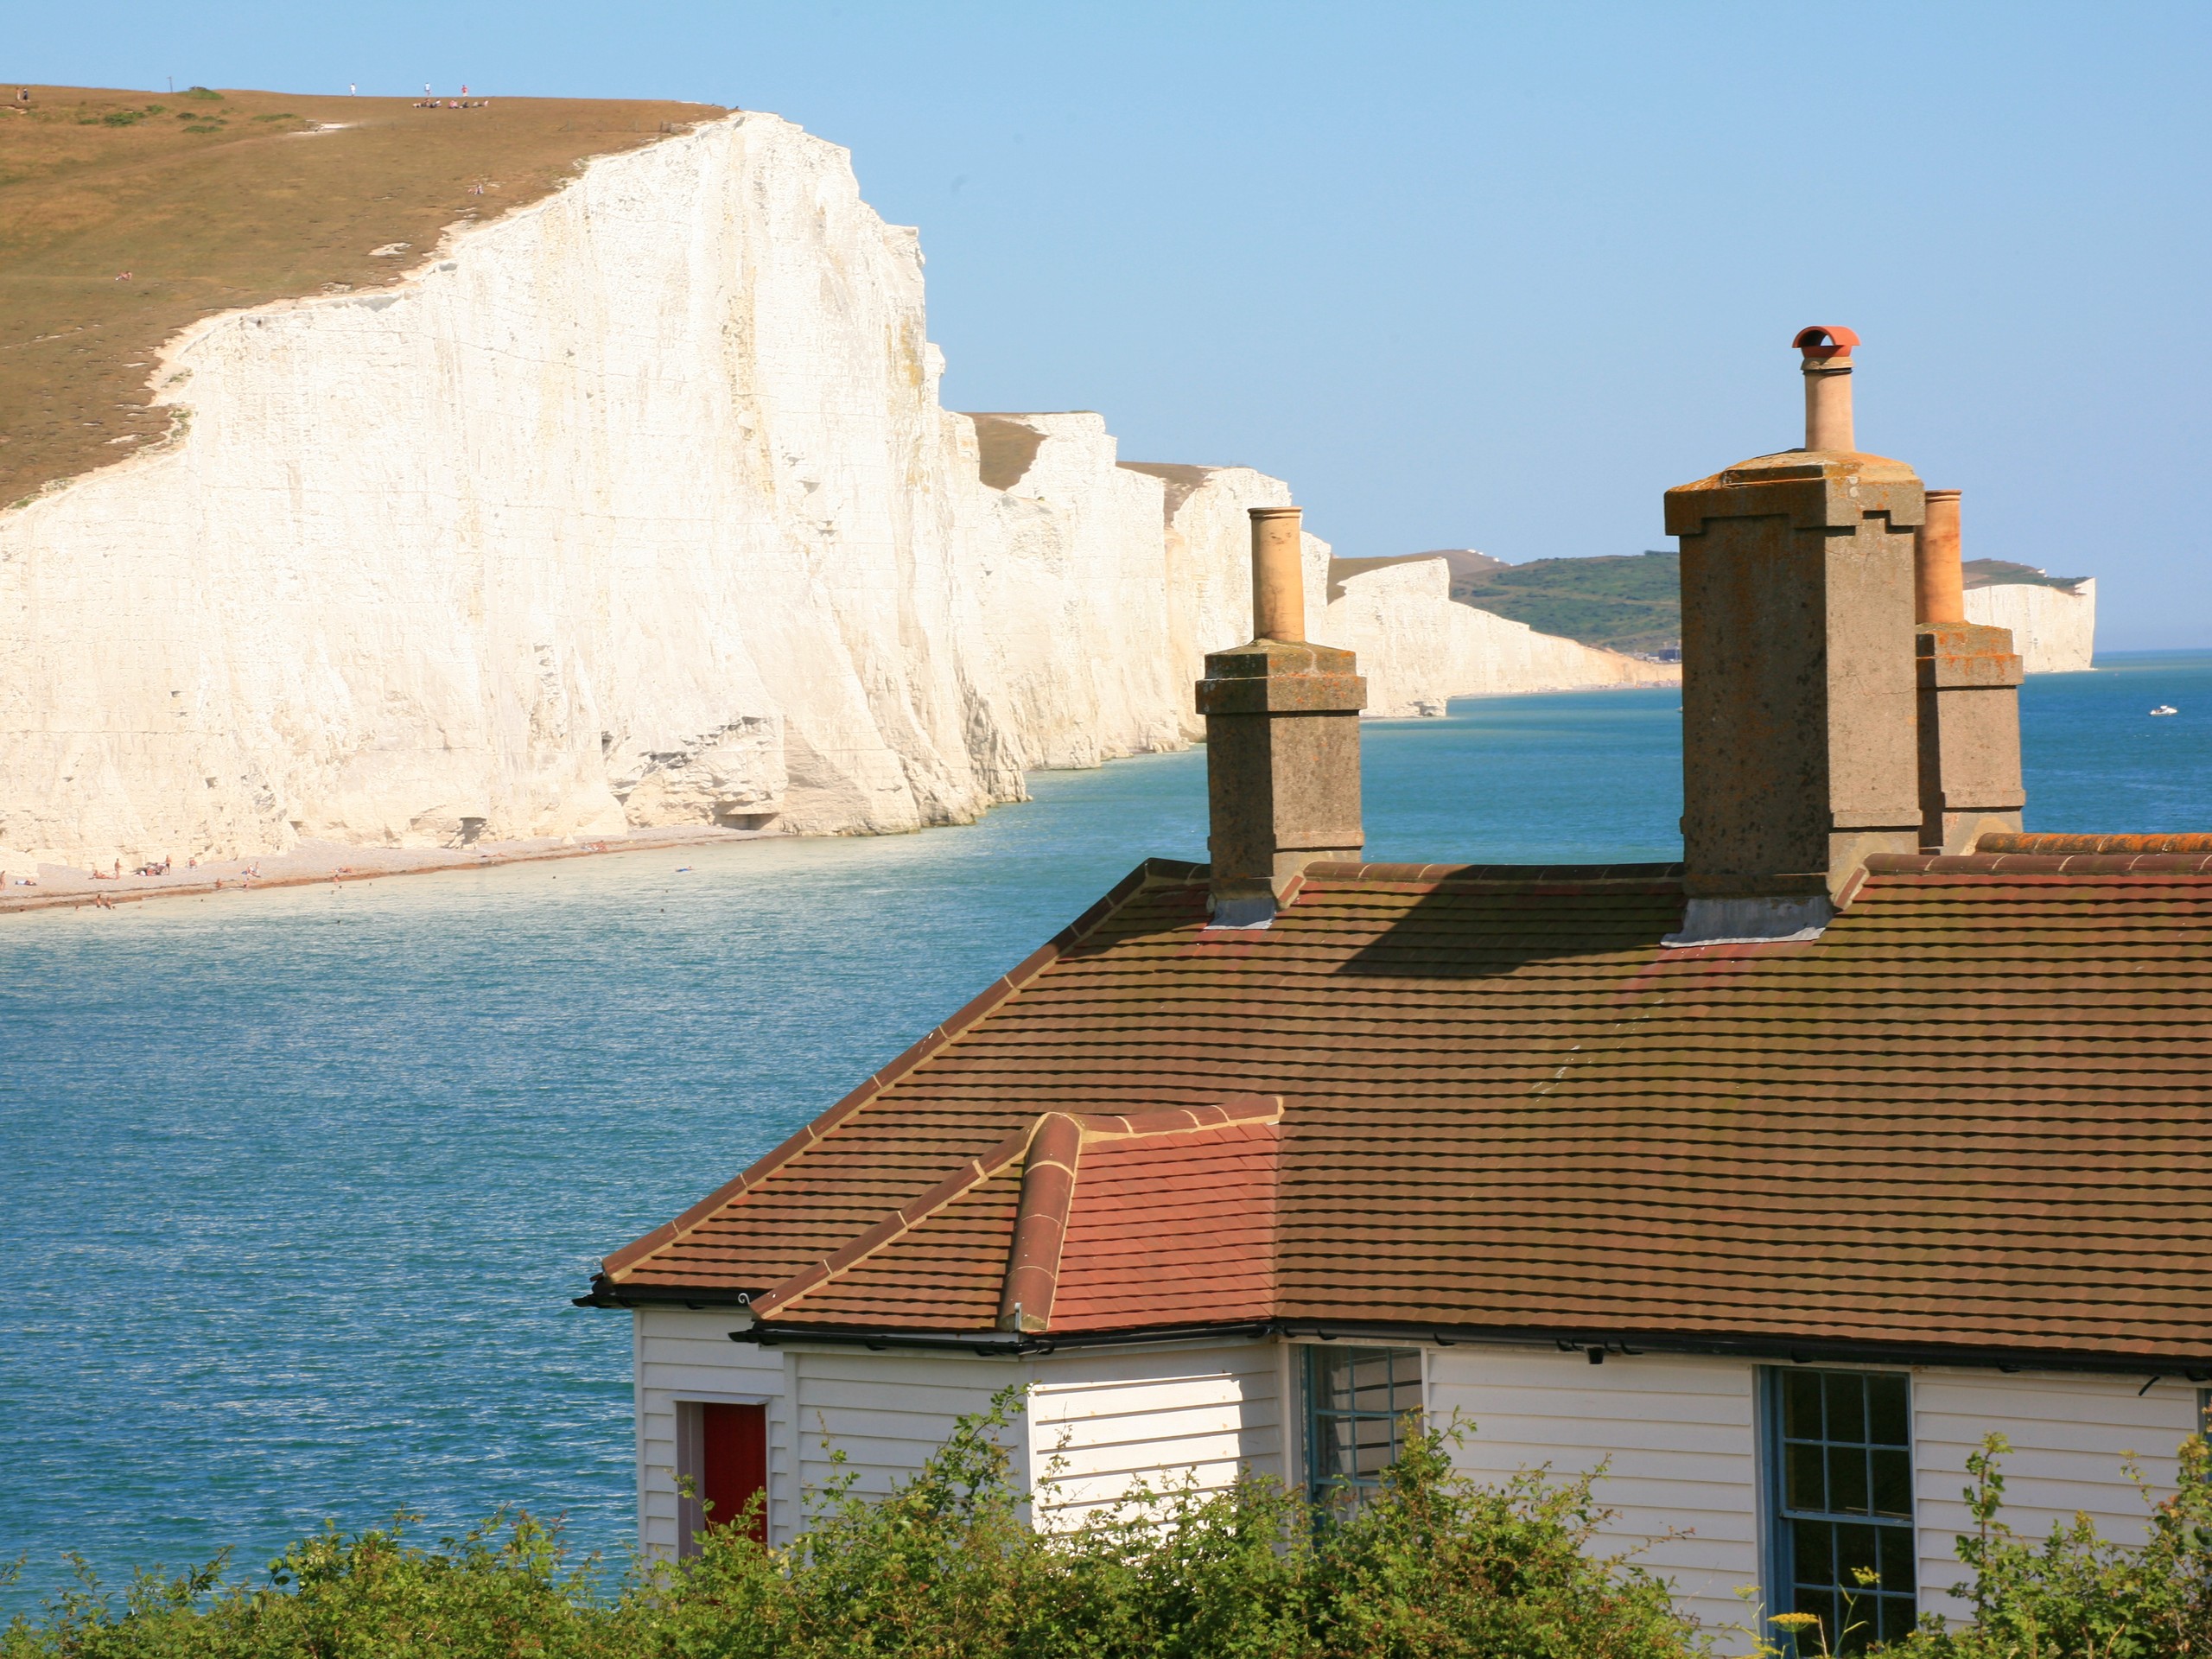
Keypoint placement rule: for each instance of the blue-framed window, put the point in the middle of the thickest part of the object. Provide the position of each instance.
(1840, 1498)
(1357, 1407)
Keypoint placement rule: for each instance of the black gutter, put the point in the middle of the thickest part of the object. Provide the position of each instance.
(1793, 1350)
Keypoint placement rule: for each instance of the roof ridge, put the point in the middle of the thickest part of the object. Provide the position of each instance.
(1355, 870)
(2042, 841)
(2045, 863)
(1153, 871)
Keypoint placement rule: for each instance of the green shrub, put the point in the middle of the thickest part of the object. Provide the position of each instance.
(2076, 1594)
(203, 94)
(947, 1567)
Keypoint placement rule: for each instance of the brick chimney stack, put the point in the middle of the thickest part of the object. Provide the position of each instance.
(1969, 694)
(1282, 741)
(1799, 741)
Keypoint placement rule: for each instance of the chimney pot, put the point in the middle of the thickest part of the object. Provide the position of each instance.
(1939, 579)
(1969, 695)
(1827, 388)
(1278, 575)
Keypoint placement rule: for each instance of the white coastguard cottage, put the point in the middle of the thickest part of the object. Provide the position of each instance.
(1774, 1180)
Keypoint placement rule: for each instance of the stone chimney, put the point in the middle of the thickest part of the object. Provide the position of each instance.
(1969, 699)
(1282, 741)
(1799, 743)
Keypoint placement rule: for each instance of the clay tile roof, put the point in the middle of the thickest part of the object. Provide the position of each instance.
(1085, 1223)
(1973, 1118)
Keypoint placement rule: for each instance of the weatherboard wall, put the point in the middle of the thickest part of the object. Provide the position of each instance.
(2072, 1439)
(1090, 1423)
(1674, 1438)
(1102, 1421)
(1674, 1435)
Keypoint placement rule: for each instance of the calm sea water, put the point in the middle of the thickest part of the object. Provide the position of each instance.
(295, 1186)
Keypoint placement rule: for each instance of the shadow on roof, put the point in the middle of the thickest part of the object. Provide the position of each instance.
(1492, 921)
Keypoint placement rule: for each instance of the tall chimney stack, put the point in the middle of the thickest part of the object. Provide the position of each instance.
(1799, 741)
(1282, 741)
(1969, 695)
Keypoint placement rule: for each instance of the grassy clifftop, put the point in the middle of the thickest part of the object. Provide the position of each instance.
(210, 201)
(1632, 603)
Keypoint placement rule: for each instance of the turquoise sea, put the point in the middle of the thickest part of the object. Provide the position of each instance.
(295, 1186)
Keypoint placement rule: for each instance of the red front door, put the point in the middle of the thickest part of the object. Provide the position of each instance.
(734, 1463)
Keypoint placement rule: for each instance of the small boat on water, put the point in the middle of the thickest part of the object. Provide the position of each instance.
(2166, 709)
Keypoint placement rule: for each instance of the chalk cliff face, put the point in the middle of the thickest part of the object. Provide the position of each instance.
(637, 507)
(2054, 629)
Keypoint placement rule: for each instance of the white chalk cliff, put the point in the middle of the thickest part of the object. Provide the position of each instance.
(635, 508)
(2054, 627)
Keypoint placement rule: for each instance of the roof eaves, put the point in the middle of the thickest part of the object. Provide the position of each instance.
(1608, 1341)
(1153, 871)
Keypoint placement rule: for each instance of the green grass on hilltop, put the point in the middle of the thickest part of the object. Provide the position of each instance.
(127, 216)
(1632, 603)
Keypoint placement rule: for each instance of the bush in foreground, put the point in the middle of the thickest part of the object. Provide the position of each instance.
(2076, 1594)
(948, 1566)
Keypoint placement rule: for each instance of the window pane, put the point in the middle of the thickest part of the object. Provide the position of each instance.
(1407, 1373)
(1332, 1448)
(1848, 1479)
(1369, 1375)
(1374, 1445)
(1885, 1403)
(1800, 1405)
(1812, 1550)
(1846, 1392)
(1804, 1483)
(1898, 1566)
(1892, 1482)
(1857, 1550)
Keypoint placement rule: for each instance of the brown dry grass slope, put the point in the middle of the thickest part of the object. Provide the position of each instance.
(212, 201)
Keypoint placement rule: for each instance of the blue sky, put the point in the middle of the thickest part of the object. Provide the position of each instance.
(1464, 275)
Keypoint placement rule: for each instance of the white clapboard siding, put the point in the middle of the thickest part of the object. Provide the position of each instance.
(1675, 1432)
(684, 1356)
(886, 1412)
(2071, 1436)
(1160, 1415)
